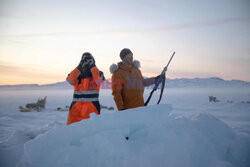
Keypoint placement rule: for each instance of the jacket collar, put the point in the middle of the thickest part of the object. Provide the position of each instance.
(126, 67)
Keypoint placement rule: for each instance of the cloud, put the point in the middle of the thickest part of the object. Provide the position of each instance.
(204, 24)
(121, 32)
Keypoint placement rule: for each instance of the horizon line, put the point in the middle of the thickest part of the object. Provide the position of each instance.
(110, 79)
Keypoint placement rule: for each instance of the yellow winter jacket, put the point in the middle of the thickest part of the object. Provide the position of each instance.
(128, 85)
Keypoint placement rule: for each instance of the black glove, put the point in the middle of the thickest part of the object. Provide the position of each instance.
(160, 77)
(102, 76)
(79, 67)
(91, 63)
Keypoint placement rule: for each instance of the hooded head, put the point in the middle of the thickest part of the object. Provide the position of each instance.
(87, 56)
(87, 59)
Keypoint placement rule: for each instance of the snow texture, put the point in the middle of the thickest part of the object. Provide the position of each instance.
(154, 139)
(190, 132)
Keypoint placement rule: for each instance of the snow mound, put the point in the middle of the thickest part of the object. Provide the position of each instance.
(141, 137)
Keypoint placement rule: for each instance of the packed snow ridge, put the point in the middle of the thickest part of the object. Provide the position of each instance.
(142, 137)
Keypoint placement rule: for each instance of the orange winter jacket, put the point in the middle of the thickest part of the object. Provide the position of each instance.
(128, 85)
(86, 93)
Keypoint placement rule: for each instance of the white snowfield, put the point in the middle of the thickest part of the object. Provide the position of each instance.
(155, 138)
(185, 130)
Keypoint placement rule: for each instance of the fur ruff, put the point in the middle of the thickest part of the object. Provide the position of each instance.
(115, 67)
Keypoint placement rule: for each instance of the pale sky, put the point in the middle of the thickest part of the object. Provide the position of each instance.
(41, 41)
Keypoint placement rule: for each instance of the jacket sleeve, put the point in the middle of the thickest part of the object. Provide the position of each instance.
(97, 75)
(148, 81)
(117, 86)
(72, 77)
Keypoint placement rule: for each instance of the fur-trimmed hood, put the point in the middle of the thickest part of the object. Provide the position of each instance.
(114, 67)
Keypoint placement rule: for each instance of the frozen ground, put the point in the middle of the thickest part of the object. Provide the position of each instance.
(17, 128)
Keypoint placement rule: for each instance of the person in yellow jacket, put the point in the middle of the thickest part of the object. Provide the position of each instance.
(127, 82)
(86, 79)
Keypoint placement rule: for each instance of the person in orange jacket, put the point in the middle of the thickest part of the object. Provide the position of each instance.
(86, 79)
(128, 83)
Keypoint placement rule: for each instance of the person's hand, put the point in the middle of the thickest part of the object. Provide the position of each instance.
(80, 67)
(159, 77)
(102, 75)
(86, 63)
(91, 63)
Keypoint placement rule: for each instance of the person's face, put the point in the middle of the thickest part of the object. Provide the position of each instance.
(128, 59)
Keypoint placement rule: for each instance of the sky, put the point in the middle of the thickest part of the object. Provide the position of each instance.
(42, 41)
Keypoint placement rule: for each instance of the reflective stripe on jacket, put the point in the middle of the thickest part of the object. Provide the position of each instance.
(85, 86)
(86, 93)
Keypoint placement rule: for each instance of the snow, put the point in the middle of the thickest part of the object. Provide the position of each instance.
(185, 130)
(155, 139)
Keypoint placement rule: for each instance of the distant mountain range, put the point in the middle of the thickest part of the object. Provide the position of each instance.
(171, 83)
(205, 82)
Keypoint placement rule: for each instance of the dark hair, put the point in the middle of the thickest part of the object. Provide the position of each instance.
(124, 52)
